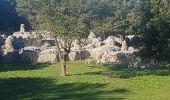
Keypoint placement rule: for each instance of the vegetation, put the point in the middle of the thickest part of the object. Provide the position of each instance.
(9, 20)
(43, 82)
(149, 19)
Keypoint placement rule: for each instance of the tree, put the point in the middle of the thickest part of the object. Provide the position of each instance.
(64, 19)
(9, 20)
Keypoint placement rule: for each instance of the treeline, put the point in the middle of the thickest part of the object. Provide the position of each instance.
(9, 20)
(148, 18)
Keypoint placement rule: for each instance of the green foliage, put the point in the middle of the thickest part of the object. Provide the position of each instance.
(149, 19)
(9, 20)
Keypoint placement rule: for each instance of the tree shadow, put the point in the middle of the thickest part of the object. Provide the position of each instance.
(16, 67)
(134, 72)
(126, 73)
(46, 89)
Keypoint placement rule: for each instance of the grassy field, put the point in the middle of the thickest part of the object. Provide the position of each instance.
(84, 82)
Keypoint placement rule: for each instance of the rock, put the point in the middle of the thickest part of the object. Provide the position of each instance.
(11, 57)
(117, 57)
(23, 35)
(124, 46)
(46, 44)
(8, 46)
(32, 48)
(98, 52)
(91, 35)
(78, 55)
(20, 42)
(132, 49)
(110, 41)
(89, 46)
(95, 40)
(75, 46)
(118, 40)
(29, 56)
(48, 56)
(98, 44)
(22, 28)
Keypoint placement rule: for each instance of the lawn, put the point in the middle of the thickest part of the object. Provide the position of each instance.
(84, 82)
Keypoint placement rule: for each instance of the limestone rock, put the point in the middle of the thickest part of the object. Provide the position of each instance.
(8, 46)
(124, 46)
(78, 55)
(117, 57)
(48, 56)
(75, 45)
(32, 48)
(110, 41)
(22, 28)
(23, 35)
(98, 52)
(29, 56)
(91, 35)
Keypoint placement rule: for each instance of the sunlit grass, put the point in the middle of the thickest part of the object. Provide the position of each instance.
(84, 81)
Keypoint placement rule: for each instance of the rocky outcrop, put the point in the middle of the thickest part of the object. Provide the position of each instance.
(110, 41)
(8, 46)
(48, 56)
(98, 52)
(91, 36)
(124, 46)
(29, 56)
(78, 55)
(117, 57)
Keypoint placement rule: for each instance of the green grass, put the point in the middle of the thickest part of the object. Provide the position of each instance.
(84, 82)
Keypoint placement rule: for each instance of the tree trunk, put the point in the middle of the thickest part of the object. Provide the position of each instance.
(63, 68)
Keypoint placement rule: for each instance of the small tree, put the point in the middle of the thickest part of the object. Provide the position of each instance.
(65, 21)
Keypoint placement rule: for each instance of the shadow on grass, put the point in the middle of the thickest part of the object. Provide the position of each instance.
(46, 89)
(15, 67)
(126, 73)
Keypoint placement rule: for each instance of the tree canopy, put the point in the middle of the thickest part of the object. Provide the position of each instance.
(76, 18)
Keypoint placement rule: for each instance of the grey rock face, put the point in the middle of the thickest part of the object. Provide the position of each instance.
(22, 28)
(29, 56)
(91, 35)
(78, 55)
(98, 52)
(124, 46)
(48, 56)
(8, 47)
(110, 41)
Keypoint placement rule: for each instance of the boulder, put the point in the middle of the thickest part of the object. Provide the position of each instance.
(11, 57)
(29, 56)
(124, 46)
(78, 55)
(32, 48)
(110, 41)
(22, 28)
(20, 42)
(75, 45)
(98, 52)
(8, 46)
(48, 56)
(91, 35)
(123, 57)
